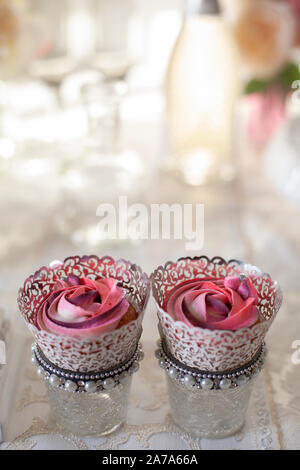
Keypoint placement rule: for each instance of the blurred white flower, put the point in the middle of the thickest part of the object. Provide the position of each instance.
(22, 37)
(265, 33)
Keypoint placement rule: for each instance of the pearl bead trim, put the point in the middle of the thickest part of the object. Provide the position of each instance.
(85, 382)
(206, 380)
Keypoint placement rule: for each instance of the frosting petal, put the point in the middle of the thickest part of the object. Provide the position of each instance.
(228, 303)
(88, 308)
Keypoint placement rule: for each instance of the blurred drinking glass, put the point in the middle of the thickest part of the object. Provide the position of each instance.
(53, 61)
(114, 52)
(105, 171)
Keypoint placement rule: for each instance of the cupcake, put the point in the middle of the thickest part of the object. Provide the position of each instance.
(84, 307)
(213, 318)
(216, 304)
(86, 313)
(86, 318)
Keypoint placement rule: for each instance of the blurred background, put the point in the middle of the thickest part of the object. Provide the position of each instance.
(161, 101)
(168, 101)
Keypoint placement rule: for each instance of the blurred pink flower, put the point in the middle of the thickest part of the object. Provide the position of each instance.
(295, 5)
(267, 111)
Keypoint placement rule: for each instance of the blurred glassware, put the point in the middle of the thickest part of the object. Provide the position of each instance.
(113, 53)
(38, 136)
(27, 214)
(282, 160)
(71, 87)
(32, 157)
(105, 170)
(102, 100)
(4, 325)
(26, 96)
(4, 334)
(202, 88)
(80, 30)
(51, 70)
(53, 61)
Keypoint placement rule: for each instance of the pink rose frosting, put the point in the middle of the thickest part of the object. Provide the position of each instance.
(224, 304)
(82, 307)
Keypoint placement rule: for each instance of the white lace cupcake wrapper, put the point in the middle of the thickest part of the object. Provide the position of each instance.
(95, 381)
(85, 354)
(214, 380)
(203, 348)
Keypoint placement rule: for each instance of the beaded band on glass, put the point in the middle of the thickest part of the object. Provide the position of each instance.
(198, 379)
(85, 382)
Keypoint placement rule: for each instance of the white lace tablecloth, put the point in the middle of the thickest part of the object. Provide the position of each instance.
(248, 221)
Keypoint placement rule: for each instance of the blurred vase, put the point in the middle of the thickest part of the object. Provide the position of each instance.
(202, 89)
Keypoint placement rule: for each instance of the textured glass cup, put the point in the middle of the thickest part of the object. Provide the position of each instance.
(208, 414)
(89, 414)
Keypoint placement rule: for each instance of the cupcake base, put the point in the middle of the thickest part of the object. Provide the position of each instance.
(210, 414)
(90, 414)
(92, 404)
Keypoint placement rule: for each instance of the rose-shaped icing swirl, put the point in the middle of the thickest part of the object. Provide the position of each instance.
(82, 307)
(225, 304)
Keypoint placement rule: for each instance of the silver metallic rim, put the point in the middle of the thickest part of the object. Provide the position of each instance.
(92, 382)
(206, 380)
